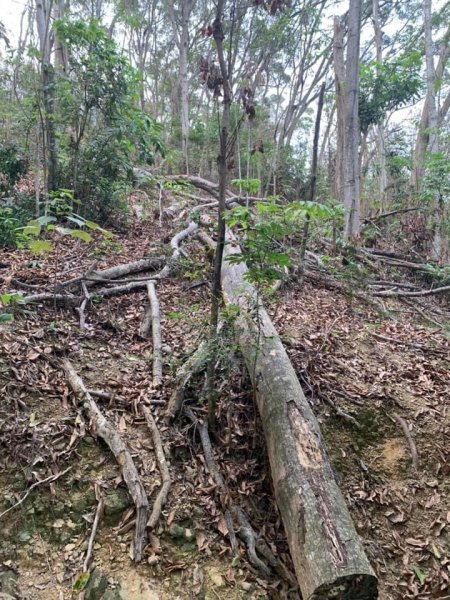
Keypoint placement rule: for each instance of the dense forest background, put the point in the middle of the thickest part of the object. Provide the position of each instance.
(91, 89)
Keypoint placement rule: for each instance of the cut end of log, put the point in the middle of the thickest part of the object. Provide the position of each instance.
(353, 587)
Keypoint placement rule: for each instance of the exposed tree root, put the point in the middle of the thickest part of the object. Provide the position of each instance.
(236, 514)
(193, 365)
(115, 443)
(50, 479)
(163, 468)
(97, 518)
(412, 445)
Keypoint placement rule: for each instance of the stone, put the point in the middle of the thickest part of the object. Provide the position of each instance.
(113, 595)
(96, 586)
(115, 502)
(8, 581)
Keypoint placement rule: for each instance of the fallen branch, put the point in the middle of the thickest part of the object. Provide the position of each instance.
(111, 437)
(390, 340)
(391, 213)
(156, 334)
(433, 292)
(161, 498)
(50, 479)
(412, 445)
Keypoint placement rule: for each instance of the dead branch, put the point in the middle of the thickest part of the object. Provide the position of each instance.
(111, 437)
(50, 479)
(415, 294)
(391, 213)
(156, 334)
(390, 340)
(161, 498)
(412, 445)
(98, 517)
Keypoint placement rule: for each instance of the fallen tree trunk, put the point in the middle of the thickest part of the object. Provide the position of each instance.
(328, 555)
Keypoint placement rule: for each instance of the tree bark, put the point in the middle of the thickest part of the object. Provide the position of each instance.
(351, 141)
(328, 555)
(339, 78)
(43, 14)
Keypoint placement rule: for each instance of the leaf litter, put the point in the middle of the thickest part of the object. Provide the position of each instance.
(402, 516)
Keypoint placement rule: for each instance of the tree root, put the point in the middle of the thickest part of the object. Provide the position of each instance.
(194, 365)
(163, 468)
(412, 445)
(97, 518)
(236, 514)
(115, 443)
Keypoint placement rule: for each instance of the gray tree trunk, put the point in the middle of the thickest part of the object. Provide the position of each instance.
(339, 79)
(328, 556)
(351, 141)
(43, 22)
(380, 137)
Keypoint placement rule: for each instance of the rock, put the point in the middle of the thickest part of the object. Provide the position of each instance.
(82, 501)
(115, 502)
(8, 581)
(96, 586)
(216, 577)
(112, 595)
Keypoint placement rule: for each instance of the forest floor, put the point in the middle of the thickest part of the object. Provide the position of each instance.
(364, 374)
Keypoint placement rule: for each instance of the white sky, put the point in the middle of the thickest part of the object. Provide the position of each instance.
(10, 15)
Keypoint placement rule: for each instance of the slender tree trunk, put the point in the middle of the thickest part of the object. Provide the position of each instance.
(43, 12)
(186, 7)
(339, 78)
(380, 141)
(351, 157)
(223, 175)
(439, 242)
(423, 136)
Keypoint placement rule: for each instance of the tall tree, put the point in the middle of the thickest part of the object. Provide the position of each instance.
(43, 22)
(352, 132)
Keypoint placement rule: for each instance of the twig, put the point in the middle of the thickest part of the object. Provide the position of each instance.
(98, 516)
(50, 479)
(412, 445)
(161, 498)
(385, 338)
(341, 413)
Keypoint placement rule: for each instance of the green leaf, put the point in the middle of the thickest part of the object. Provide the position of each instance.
(419, 574)
(92, 225)
(45, 220)
(32, 230)
(81, 235)
(40, 246)
(7, 299)
(6, 318)
(78, 221)
(81, 582)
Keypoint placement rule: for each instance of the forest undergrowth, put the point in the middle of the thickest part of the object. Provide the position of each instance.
(374, 371)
